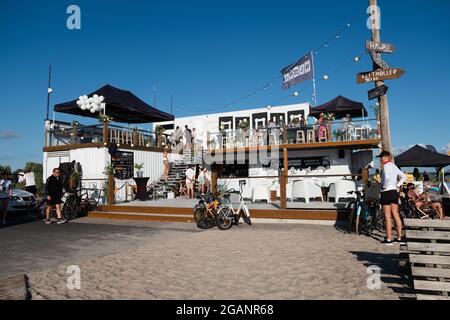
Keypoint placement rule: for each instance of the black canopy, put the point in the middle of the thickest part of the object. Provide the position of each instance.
(418, 156)
(122, 105)
(340, 106)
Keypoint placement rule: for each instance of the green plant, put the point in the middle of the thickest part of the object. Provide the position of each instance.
(104, 118)
(159, 129)
(244, 124)
(75, 176)
(139, 166)
(109, 170)
(328, 116)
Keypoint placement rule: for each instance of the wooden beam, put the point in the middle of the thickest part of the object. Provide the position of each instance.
(284, 179)
(105, 132)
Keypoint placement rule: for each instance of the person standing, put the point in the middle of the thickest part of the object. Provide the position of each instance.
(5, 195)
(166, 164)
(187, 138)
(30, 181)
(202, 181)
(392, 178)
(54, 192)
(190, 179)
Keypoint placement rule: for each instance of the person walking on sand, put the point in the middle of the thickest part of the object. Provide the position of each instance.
(5, 195)
(392, 178)
(54, 191)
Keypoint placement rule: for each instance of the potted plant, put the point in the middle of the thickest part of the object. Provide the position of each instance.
(139, 167)
(110, 171)
(104, 118)
(159, 130)
(74, 180)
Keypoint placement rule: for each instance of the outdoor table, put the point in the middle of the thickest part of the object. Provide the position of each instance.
(141, 185)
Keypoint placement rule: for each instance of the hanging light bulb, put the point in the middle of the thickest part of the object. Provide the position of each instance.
(356, 59)
(269, 107)
(296, 94)
(326, 77)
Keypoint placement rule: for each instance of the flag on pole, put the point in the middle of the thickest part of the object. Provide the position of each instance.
(298, 72)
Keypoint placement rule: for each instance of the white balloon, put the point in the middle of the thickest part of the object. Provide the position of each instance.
(83, 107)
(92, 111)
(103, 106)
(79, 102)
(102, 98)
(95, 96)
(80, 98)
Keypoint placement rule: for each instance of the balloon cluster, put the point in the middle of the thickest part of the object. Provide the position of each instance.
(93, 104)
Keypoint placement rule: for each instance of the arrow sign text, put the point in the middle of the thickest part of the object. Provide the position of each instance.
(380, 47)
(379, 75)
(378, 92)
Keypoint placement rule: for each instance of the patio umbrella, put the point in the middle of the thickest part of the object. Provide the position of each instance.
(419, 156)
(340, 106)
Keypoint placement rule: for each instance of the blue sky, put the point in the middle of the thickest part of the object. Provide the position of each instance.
(209, 53)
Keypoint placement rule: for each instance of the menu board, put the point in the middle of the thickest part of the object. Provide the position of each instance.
(123, 162)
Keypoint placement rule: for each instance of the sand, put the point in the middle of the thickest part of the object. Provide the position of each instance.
(262, 261)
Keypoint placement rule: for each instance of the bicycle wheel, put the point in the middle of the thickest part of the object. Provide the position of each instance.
(70, 208)
(225, 218)
(200, 218)
(351, 209)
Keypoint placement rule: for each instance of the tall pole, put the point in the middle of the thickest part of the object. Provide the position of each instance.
(49, 90)
(375, 21)
(314, 80)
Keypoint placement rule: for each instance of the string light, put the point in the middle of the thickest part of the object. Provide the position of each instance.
(273, 81)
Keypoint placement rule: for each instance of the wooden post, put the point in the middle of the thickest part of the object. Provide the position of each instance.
(284, 134)
(215, 168)
(284, 180)
(74, 134)
(365, 175)
(135, 138)
(111, 189)
(105, 132)
(383, 101)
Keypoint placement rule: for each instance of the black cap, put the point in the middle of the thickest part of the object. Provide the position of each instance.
(384, 154)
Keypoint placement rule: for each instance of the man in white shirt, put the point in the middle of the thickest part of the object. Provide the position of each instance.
(190, 179)
(30, 181)
(392, 178)
(5, 195)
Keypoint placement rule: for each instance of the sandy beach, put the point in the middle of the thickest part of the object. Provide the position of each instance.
(263, 261)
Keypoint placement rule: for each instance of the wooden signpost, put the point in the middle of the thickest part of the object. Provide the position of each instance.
(379, 75)
(380, 47)
(378, 92)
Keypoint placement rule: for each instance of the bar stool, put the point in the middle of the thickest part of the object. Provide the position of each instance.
(300, 136)
(310, 136)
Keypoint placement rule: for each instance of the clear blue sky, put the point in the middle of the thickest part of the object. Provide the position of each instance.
(208, 53)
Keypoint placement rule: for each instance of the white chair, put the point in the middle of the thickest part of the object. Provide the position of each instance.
(310, 136)
(306, 190)
(339, 190)
(300, 136)
(261, 193)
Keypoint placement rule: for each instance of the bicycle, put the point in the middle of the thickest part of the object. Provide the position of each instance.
(227, 216)
(79, 203)
(205, 211)
(354, 208)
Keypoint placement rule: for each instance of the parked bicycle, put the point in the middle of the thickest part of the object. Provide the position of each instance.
(227, 216)
(79, 203)
(364, 216)
(205, 212)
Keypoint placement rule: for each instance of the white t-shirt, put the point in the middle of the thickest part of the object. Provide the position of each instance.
(29, 179)
(190, 175)
(390, 177)
(5, 189)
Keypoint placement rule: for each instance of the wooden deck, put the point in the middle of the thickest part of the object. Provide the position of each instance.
(184, 213)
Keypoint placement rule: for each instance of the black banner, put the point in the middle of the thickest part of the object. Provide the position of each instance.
(298, 72)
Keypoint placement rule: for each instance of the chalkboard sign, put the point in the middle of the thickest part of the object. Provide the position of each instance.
(304, 163)
(123, 162)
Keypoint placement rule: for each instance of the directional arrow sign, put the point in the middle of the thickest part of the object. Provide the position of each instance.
(379, 75)
(378, 92)
(380, 47)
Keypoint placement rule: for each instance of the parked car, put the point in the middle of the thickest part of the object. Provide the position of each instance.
(22, 201)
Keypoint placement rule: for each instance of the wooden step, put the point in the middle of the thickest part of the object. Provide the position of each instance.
(147, 209)
(142, 216)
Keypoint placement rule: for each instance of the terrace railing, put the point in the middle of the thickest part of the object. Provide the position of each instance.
(329, 131)
(66, 134)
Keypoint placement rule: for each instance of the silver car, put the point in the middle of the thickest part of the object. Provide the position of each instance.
(22, 201)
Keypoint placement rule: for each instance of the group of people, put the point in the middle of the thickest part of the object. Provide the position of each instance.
(203, 181)
(187, 136)
(53, 193)
(392, 180)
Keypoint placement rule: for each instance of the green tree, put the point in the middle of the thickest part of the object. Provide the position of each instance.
(5, 169)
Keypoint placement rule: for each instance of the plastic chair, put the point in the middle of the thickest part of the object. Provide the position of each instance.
(261, 193)
(305, 190)
(310, 136)
(300, 136)
(339, 190)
